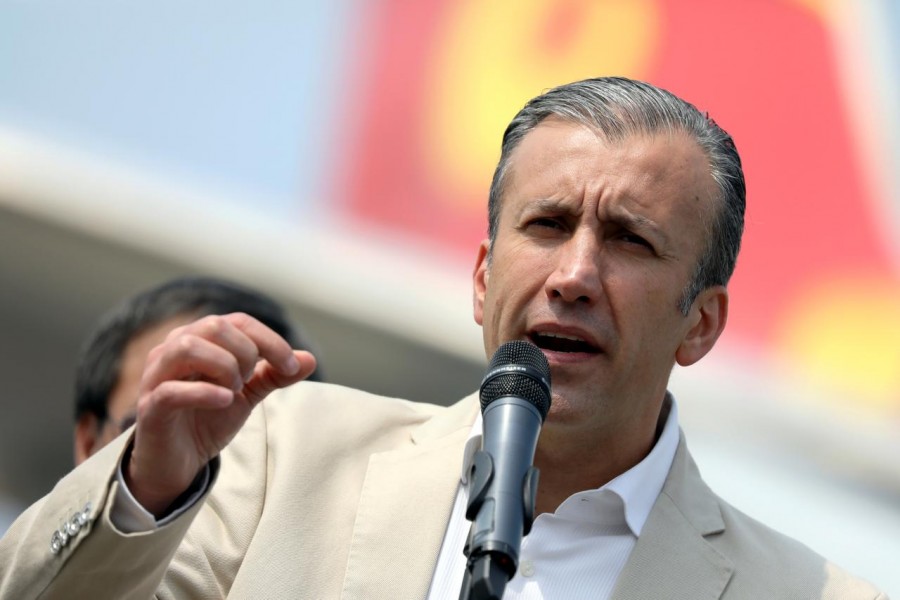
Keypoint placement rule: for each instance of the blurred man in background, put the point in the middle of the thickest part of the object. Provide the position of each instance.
(112, 358)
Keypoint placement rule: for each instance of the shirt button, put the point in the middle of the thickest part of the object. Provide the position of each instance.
(526, 568)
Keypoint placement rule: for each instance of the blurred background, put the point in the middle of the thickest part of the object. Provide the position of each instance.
(338, 154)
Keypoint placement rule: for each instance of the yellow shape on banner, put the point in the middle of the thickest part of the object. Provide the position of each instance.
(827, 10)
(493, 56)
(846, 339)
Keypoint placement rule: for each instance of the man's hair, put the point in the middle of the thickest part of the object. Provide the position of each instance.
(620, 108)
(100, 360)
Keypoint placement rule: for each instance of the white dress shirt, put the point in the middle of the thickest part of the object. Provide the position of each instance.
(577, 551)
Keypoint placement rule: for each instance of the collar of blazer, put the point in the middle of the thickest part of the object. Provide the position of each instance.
(672, 558)
(404, 508)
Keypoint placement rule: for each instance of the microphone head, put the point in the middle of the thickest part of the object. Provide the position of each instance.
(519, 369)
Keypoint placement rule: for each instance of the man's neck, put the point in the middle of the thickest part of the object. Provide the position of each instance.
(574, 461)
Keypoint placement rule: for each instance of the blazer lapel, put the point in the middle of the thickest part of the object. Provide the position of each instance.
(671, 558)
(404, 508)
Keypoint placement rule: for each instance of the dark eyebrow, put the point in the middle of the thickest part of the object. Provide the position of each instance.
(551, 202)
(543, 207)
(548, 205)
(638, 224)
(634, 221)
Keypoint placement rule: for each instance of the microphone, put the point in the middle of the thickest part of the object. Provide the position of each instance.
(515, 399)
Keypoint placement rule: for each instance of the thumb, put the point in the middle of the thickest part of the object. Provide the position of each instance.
(267, 378)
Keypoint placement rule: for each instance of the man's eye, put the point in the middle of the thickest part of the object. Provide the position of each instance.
(546, 222)
(633, 238)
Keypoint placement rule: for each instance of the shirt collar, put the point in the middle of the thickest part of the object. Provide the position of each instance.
(637, 488)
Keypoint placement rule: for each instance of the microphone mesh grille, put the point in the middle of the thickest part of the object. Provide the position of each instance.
(525, 384)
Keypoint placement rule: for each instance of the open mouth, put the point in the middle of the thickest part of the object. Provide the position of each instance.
(554, 342)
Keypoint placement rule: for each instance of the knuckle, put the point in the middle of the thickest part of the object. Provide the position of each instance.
(241, 319)
(185, 345)
(213, 326)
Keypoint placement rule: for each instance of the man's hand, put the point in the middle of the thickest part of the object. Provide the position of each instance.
(197, 391)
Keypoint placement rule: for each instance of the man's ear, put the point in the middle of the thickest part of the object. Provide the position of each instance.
(708, 315)
(87, 435)
(480, 280)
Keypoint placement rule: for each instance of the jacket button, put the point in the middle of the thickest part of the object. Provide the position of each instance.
(72, 527)
(55, 543)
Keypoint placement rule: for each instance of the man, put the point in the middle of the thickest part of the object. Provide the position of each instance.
(112, 359)
(614, 222)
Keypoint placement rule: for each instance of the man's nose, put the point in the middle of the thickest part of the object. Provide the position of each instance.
(576, 276)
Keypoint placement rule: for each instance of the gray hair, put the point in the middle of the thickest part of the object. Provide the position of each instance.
(618, 108)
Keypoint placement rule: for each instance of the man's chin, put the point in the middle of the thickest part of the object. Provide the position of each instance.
(564, 412)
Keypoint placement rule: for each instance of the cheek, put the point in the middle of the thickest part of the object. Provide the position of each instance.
(108, 434)
(492, 308)
(662, 327)
(505, 289)
(643, 306)
(516, 277)
(500, 304)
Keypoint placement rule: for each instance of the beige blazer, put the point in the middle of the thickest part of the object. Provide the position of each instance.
(329, 492)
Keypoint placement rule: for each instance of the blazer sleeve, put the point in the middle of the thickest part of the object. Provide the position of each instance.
(65, 546)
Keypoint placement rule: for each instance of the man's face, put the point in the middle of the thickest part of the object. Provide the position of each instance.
(595, 243)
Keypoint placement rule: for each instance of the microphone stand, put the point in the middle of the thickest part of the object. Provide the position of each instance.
(488, 570)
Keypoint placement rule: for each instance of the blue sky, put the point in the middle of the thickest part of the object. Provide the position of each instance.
(238, 93)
